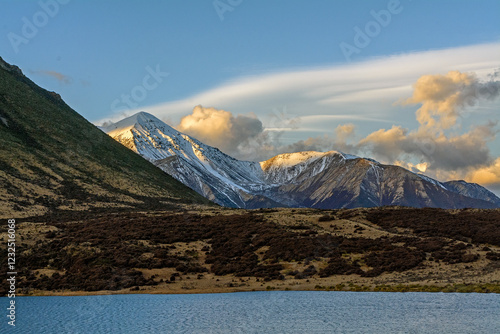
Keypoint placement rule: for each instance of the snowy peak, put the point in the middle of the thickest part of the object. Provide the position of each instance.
(287, 160)
(203, 168)
(141, 119)
(290, 159)
(153, 139)
(295, 167)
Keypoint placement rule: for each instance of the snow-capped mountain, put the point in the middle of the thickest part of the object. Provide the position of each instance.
(206, 169)
(303, 179)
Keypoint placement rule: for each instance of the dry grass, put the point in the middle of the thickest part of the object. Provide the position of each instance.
(285, 243)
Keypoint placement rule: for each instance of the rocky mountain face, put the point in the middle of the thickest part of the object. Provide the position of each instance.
(205, 169)
(472, 190)
(304, 179)
(52, 159)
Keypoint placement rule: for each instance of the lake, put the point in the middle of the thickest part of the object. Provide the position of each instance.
(259, 312)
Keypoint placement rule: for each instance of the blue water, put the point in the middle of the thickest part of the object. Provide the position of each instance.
(259, 312)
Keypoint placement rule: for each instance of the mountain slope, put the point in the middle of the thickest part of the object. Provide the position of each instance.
(203, 168)
(350, 183)
(472, 190)
(303, 179)
(51, 158)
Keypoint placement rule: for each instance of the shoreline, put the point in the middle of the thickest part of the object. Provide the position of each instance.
(396, 288)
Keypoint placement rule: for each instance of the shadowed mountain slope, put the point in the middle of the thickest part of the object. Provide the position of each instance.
(51, 158)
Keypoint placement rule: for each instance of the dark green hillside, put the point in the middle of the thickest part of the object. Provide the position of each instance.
(51, 158)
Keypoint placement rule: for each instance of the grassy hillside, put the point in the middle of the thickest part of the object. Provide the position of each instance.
(51, 159)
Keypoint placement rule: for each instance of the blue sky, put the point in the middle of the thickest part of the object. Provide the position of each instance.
(104, 46)
(280, 62)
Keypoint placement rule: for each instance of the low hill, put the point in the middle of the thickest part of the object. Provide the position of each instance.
(227, 250)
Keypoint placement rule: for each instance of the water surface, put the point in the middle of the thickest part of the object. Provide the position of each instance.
(260, 312)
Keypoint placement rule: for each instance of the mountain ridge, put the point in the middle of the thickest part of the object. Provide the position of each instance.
(324, 180)
(53, 159)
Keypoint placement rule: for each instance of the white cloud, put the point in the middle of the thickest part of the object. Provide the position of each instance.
(358, 89)
(220, 128)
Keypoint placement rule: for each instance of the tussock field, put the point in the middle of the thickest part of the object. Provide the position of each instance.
(206, 249)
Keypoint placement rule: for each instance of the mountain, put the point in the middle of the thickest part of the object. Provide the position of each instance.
(52, 159)
(304, 179)
(207, 170)
(336, 181)
(473, 190)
